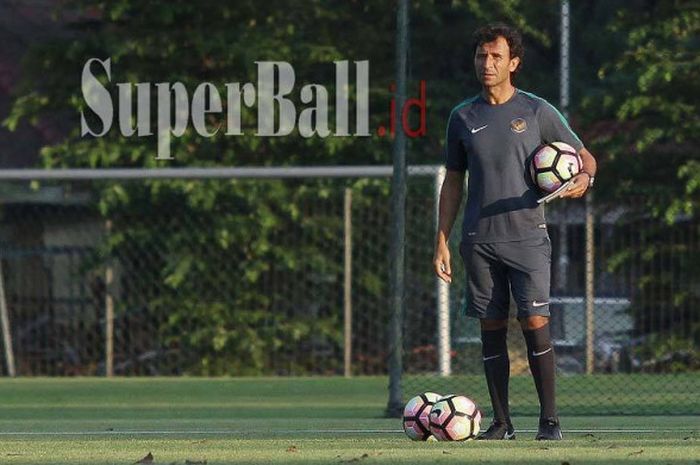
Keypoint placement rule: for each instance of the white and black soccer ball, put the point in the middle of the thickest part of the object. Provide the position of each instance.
(553, 164)
(455, 418)
(415, 416)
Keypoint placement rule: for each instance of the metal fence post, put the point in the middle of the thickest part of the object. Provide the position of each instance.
(6, 332)
(398, 226)
(109, 313)
(564, 78)
(590, 291)
(347, 285)
(444, 344)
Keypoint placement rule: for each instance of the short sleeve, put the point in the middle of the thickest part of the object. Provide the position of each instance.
(555, 128)
(455, 155)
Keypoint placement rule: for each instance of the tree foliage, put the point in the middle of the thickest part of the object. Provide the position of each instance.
(640, 112)
(648, 126)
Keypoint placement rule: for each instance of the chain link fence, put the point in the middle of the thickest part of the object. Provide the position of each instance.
(290, 276)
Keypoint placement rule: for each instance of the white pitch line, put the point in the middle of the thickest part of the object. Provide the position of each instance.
(310, 431)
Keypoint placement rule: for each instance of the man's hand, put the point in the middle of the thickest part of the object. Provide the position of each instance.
(578, 186)
(450, 198)
(441, 262)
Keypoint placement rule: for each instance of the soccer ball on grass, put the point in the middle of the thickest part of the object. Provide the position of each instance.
(455, 418)
(415, 416)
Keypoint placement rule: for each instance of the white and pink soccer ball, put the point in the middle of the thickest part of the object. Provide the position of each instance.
(553, 164)
(415, 416)
(455, 418)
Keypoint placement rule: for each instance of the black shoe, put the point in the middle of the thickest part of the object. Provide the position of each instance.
(497, 431)
(549, 430)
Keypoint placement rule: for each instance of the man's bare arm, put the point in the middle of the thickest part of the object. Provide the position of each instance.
(450, 201)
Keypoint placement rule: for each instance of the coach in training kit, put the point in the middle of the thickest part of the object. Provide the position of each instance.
(505, 246)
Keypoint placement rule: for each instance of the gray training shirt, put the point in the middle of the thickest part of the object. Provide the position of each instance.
(494, 143)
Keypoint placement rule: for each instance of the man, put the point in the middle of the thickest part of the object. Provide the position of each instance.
(505, 246)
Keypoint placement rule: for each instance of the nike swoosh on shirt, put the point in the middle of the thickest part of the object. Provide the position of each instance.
(475, 130)
(539, 304)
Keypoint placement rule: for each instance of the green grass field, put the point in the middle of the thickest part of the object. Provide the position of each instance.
(299, 420)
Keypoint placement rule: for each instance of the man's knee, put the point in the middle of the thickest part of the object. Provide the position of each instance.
(493, 325)
(534, 322)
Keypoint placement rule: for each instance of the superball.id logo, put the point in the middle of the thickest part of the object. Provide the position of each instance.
(277, 114)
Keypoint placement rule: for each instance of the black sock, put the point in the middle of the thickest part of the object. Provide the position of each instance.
(497, 368)
(540, 354)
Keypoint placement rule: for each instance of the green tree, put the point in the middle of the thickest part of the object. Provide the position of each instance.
(648, 128)
(196, 254)
(215, 273)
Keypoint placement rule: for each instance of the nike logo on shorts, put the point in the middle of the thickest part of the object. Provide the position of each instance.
(475, 130)
(537, 354)
(539, 304)
(485, 359)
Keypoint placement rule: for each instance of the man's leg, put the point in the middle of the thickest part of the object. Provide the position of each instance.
(529, 264)
(494, 350)
(497, 370)
(540, 355)
(489, 300)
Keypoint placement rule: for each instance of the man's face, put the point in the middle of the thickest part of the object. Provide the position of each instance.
(493, 63)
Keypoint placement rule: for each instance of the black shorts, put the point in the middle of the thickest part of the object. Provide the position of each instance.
(495, 269)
